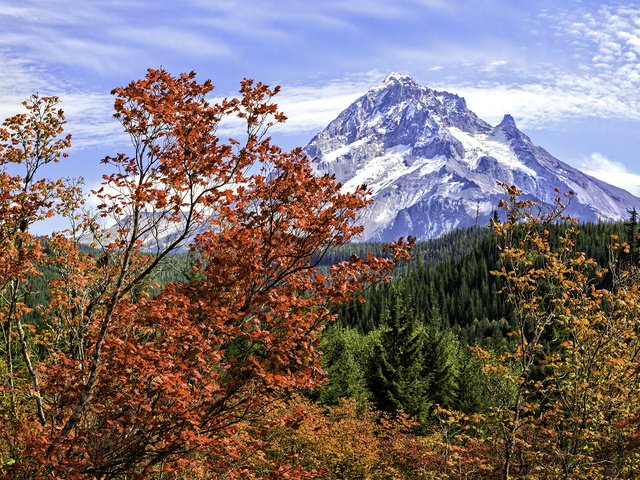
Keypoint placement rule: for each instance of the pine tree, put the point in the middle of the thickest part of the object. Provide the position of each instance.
(441, 363)
(470, 394)
(345, 352)
(395, 371)
(631, 230)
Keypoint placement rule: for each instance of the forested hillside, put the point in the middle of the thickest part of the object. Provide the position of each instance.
(520, 314)
(444, 299)
(449, 280)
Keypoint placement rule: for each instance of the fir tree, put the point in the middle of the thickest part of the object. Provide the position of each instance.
(395, 372)
(440, 363)
(345, 354)
(470, 393)
(631, 230)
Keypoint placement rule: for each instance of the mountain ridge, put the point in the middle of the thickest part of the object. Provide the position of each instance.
(433, 165)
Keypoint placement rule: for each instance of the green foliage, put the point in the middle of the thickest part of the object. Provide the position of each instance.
(454, 285)
(471, 395)
(402, 365)
(395, 371)
(442, 359)
(450, 278)
(346, 353)
(406, 348)
(631, 236)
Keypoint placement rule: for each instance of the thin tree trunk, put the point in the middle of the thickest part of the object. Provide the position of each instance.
(7, 331)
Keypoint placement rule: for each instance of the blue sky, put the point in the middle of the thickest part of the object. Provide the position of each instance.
(568, 71)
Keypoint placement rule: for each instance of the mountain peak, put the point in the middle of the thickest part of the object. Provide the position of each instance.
(508, 127)
(432, 165)
(395, 77)
(507, 121)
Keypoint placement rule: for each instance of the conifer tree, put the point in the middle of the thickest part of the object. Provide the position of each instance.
(470, 394)
(631, 230)
(440, 365)
(345, 353)
(395, 372)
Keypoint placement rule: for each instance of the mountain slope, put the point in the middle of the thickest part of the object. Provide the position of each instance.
(432, 164)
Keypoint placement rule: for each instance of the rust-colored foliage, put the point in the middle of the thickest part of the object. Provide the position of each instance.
(347, 441)
(355, 441)
(115, 382)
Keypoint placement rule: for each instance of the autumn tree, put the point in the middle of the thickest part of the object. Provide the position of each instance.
(28, 142)
(115, 382)
(347, 440)
(560, 393)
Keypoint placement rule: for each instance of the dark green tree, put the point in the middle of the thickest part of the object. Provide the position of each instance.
(395, 371)
(441, 363)
(470, 395)
(631, 230)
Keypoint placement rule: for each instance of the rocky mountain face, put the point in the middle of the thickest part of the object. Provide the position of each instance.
(432, 164)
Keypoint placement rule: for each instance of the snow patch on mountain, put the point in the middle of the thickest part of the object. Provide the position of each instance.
(495, 145)
(343, 150)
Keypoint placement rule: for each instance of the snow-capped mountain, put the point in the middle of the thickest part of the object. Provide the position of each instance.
(432, 164)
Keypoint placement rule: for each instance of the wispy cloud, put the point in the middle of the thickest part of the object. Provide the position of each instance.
(310, 108)
(492, 66)
(605, 80)
(104, 37)
(18, 80)
(89, 114)
(90, 121)
(599, 78)
(597, 74)
(542, 105)
(171, 39)
(610, 171)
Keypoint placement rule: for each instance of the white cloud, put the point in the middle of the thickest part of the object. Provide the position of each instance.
(89, 114)
(18, 80)
(64, 33)
(605, 83)
(310, 108)
(109, 37)
(610, 171)
(261, 18)
(176, 40)
(90, 120)
(609, 79)
(536, 105)
(597, 77)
